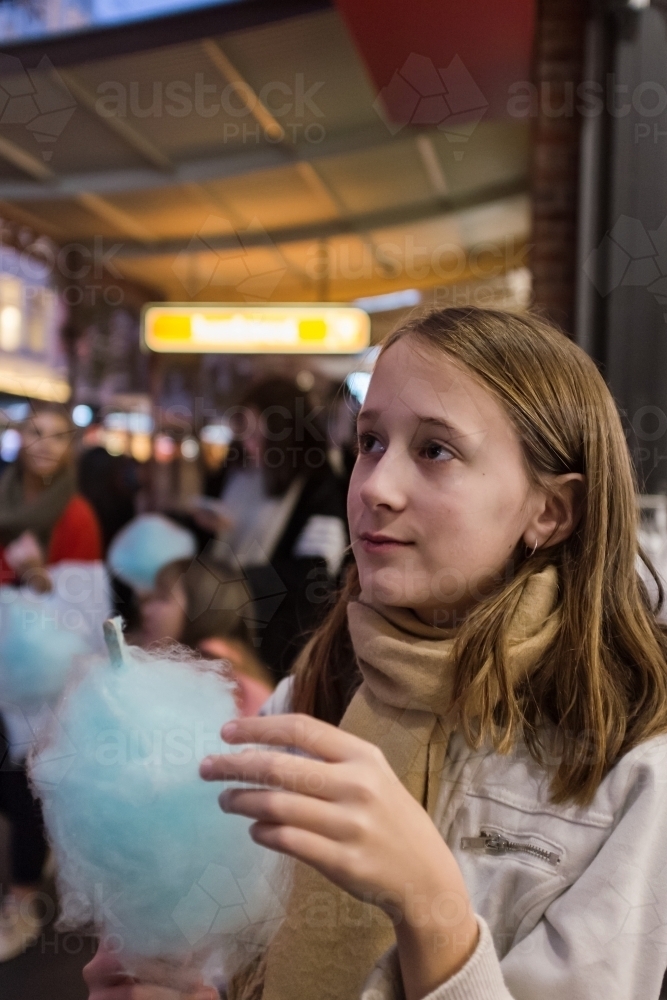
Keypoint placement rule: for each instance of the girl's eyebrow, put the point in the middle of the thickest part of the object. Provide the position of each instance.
(365, 415)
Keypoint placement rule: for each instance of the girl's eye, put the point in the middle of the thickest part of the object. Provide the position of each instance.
(366, 443)
(436, 452)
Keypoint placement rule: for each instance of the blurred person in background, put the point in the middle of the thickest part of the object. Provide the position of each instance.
(184, 597)
(110, 484)
(43, 521)
(199, 605)
(282, 516)
(43, 518)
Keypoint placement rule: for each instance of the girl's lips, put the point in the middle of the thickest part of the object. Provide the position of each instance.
(380, 543)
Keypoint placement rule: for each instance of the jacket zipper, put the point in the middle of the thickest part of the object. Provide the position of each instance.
(494, 843)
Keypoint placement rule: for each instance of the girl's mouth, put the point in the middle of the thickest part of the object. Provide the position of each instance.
(380, 543)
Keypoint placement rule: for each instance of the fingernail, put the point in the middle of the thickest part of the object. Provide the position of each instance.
(206, 767)
(228, 730)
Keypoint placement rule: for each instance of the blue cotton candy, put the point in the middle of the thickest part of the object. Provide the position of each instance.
(37, 652)
(142, 847)
(145, 545)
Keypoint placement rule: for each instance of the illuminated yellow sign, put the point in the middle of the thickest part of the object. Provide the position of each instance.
(244, 329)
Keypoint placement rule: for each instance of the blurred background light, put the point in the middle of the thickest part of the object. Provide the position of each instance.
(82, 415)
(391, 300)
(357, 383)
(10, 443)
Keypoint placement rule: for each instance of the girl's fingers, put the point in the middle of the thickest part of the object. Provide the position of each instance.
(321, 853)
(277, 770)
(288, 809)
(314, 737)
(105, 969)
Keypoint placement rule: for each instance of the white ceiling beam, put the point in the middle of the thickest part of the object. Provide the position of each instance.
(244, 91)
(431, 164)
(194, 171)
(137, 142)
(120, 220)
(29, 164)
(39, 224)
(100, 207)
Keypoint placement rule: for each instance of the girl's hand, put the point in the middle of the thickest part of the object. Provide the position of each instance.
(26, 558)
(347, 815)
(107, 980)
(24, 553)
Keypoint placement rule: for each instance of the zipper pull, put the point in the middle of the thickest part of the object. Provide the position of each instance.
(494, 843)
(491, 842)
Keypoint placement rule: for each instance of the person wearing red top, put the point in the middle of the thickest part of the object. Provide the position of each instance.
(43, 521)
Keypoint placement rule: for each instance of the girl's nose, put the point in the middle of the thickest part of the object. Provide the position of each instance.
(386, 484)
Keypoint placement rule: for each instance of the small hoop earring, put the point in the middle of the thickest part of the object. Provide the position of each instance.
(530, 553)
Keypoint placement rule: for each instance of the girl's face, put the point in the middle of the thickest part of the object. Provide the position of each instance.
(439, 497)
(162, 613)
(46, 440)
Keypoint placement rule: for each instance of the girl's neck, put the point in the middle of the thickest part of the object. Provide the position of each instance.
(33, 485)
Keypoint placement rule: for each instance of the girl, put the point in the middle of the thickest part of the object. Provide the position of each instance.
(478, 808)
(183, 597)
(43, 519)
(202, 606)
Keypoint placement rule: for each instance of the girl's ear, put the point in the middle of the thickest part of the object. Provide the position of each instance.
(560, 511)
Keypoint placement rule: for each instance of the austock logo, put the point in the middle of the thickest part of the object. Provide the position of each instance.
(36, 98)
(630, 255)
(254, 275)
(421, 94)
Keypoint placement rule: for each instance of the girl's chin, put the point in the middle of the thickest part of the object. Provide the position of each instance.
(395, 586)
(44, 470)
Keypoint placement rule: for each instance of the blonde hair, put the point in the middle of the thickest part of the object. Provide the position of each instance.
(602, 686)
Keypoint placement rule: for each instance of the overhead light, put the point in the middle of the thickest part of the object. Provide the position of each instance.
(389, 301)
(25, 377)
(11, 322)
(244, 329)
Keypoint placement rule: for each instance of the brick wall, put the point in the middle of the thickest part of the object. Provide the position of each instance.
(557, 69)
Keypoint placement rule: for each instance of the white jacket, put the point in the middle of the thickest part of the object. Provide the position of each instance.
(571, 900)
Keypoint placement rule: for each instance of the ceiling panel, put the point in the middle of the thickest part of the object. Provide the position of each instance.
(374, 179)
(302, 56)
(71, 218)
(277, 198)
(496, 151)
(174, 97)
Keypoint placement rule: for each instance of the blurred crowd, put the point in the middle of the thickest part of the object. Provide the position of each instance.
(241, 573)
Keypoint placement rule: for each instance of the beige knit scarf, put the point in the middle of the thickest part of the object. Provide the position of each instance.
(329, 942)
